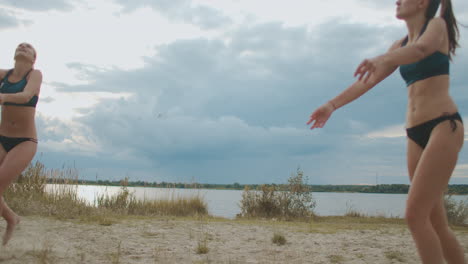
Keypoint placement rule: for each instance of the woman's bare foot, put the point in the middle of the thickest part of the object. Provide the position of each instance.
(11, 224)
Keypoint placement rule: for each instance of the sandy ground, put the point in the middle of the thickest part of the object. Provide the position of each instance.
(146, 240)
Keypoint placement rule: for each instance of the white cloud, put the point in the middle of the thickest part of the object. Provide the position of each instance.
(461, 171)
(393, 131)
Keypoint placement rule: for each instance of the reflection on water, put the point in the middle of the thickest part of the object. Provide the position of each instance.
(225, 203)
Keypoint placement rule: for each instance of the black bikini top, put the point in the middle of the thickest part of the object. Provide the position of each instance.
(17, 87)
(435, 64)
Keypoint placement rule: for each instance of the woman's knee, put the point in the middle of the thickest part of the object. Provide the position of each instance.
(439, 221)
(415, 215)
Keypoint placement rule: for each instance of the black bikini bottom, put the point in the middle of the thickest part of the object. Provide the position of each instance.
(8, 143)
(421, 133)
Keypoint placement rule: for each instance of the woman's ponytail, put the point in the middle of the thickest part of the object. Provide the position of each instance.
(446, 12)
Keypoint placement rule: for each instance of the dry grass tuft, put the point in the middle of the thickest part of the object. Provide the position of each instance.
(336, 258)
(278, 239)
(126, 203)
(44, 255)
(395, 255)
(55, 193)
(202, 247)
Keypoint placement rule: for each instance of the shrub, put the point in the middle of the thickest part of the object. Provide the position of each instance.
(278, 239)
(457, 212)
(291, 201)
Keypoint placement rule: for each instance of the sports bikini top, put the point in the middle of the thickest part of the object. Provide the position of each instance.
(435, 64)
(17, 87)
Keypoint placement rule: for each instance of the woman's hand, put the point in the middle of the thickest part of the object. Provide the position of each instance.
(2, 98)
(368, 67)
(321, 115)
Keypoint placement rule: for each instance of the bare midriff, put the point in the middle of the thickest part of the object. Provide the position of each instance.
(18, 121)
(429, 99)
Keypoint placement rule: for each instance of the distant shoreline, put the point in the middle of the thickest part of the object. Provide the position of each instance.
(453, 189)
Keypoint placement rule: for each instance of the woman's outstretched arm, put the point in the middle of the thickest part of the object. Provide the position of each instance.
(321, 115)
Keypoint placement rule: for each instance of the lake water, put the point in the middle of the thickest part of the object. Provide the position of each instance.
(225, 203)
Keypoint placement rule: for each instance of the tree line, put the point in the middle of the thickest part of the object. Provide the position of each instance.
(456, 189)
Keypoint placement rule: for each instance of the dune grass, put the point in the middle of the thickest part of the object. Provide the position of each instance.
(126, 203)
(43, 192)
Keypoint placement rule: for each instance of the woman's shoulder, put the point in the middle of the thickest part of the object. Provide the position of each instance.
(438, 23)
(397, 44)
(3, 72)
(437, 20)
(34, 73)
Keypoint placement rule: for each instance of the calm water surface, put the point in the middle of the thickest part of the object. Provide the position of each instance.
(225, 203)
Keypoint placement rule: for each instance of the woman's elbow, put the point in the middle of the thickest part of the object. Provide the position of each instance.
(26, 98)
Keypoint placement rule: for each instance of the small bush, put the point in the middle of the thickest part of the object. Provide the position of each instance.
(202, 247)
(457, 212)
(278, 239)
(290, 201)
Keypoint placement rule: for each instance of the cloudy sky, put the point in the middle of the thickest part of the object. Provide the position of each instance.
(217, 91)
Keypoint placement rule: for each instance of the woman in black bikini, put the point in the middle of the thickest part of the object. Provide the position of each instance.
(435, 129)
(19, 91)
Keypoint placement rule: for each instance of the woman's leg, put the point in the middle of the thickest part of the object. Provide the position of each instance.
(429, 181)
(453, 252)
(13, 163)
(12, 220)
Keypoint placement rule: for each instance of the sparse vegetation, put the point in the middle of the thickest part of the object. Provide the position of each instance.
(202, 247)
(352, 212)
(44, 255)
(290, 201)
(457, 212)
(395, 255)
(336, 258)
(36, 192)
(278, 239)
(126, 203)
(115, 256)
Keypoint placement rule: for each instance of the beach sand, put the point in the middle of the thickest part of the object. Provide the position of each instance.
(174, 240)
